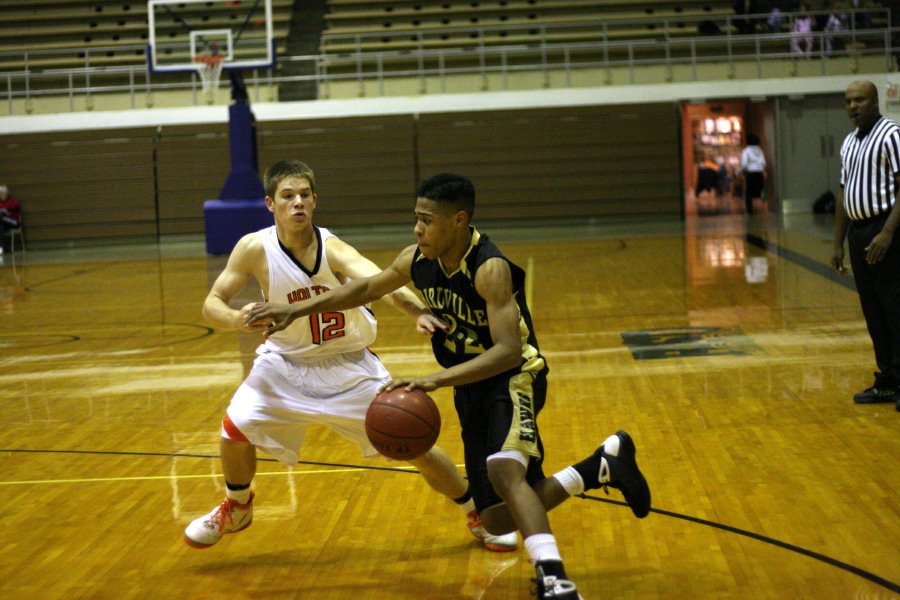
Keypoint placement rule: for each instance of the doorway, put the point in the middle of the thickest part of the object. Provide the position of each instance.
(713, 136)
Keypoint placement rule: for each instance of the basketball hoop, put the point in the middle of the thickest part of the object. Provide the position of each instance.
(210, 68)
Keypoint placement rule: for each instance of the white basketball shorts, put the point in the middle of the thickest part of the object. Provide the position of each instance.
(279, 399)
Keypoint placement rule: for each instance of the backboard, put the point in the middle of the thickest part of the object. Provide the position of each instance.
(180, 31)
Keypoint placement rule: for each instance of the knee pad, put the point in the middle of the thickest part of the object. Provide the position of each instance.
(510, 455)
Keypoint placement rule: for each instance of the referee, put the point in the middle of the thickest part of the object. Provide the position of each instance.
(868, 217)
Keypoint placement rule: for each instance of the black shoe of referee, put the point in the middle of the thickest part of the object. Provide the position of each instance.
(874, 395)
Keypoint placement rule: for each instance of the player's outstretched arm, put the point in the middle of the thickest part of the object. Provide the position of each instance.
(245, 260)
(349, 264)
(357, 292)
(493, 282)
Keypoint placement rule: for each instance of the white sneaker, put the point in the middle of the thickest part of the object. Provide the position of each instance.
(495, 543)
(228, 517)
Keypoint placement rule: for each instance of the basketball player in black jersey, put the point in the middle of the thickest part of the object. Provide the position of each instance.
(490, 355)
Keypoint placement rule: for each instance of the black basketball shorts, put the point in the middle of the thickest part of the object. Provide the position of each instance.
(500, 414)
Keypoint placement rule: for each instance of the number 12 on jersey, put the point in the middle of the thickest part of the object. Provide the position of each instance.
(326, 326)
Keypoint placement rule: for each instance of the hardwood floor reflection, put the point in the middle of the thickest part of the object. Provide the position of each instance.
(729, 358)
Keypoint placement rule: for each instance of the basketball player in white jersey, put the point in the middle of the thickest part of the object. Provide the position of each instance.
(317, 370)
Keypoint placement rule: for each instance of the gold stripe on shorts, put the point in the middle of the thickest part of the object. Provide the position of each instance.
(523, 429)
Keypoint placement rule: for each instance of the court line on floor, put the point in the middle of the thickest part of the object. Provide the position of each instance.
(762, 538)
(332, 467)
(810, 264)
(33, 340)
(63, 277)
(827, 272)
(343, 468)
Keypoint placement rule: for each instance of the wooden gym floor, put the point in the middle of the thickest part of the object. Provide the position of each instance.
(721, 344)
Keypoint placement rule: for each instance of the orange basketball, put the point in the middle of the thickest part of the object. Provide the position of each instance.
(403, 425)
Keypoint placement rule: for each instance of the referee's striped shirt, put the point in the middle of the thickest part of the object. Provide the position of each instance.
(868, 166)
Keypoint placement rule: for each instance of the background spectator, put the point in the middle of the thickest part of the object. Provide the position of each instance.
(861, 17)
(776, 18)
(835, 22)
(746, 7)
(753, 166)
(10, 213)
(707, 176)
(802, 39)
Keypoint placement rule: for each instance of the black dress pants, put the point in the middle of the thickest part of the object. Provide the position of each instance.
(879, 293)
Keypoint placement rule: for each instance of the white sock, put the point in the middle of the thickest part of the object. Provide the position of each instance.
(239, 496)
(467, 506)
(542, 546)
(571, 481)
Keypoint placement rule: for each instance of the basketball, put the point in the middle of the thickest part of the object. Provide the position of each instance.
(403, 425)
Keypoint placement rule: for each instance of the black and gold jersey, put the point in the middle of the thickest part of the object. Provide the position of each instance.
(453, 298)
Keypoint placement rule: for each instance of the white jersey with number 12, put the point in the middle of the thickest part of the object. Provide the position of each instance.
(317, 335)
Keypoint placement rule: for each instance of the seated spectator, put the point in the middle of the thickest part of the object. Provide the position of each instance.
(746, 7)
(775, 18)
(10, 213)
(861, 15)
(802, 32)
(777, 13)
(835, 22)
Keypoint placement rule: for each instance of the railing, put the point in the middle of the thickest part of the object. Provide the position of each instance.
(595, 29)
(481, 58)
(89, 81)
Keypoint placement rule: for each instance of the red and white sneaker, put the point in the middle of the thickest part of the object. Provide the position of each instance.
(495, 543)
(228, 517)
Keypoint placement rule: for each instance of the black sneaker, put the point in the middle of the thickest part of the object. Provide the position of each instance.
(550, 586)
(874, 395)
(619, 469)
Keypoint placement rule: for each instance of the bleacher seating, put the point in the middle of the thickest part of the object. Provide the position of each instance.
(103, 42)
(405, 34)
(404, 24)
(171, 171)
(74, 34)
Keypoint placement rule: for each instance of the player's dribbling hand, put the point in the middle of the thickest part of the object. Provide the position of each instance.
(424, 384)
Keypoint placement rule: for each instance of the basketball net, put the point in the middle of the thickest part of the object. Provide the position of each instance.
(210, 69)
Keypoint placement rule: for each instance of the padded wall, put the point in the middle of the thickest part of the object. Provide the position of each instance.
(193, 162)
(597, 161)
(575, 162)
(364, 166)
(82, 185)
